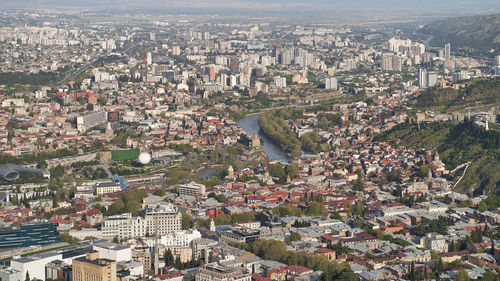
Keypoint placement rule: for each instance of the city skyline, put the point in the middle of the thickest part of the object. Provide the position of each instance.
(249, 140)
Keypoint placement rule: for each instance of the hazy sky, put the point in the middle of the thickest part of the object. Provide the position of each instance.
(256, 6)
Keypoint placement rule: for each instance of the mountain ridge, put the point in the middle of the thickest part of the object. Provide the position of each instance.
(477, 32)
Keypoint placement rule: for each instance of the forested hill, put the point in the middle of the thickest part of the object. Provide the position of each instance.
(478, 32)
(457, 143)
(477, 92)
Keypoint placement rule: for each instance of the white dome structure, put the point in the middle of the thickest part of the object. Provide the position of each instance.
(144, 158)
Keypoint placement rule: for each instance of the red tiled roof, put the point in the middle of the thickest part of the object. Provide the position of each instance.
(258, 277)
(298, 268)
(324, 251)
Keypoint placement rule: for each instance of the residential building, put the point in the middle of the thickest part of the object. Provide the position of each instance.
(83, 123)
(192, 189)
(331, 83)
(433, 241)
(213, 272)
(163, 220)
(93, 268)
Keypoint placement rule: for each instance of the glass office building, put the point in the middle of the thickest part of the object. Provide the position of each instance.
(29, 235)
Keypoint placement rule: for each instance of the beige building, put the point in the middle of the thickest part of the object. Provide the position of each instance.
(185, 254)
(107, 187)
(92, 268)
(143, 255)
(221, 273)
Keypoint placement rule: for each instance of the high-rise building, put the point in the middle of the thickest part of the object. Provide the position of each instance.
(192, 189)
(331, 83)
(176, 50)
(92, 268)
(391, 62)
(126, 226)
(212, 73)
(422, 78)
(83, 123)
(235, 66)
(426, 79)
(286, 56)
(441, 53)
(223, 81)
(497, 60)
(386, 62)
(461, 75)
(280, 82)
(447, 52)
(431, 79)
(220, 60)
(406, 47)
(149, 58)
(233, 81)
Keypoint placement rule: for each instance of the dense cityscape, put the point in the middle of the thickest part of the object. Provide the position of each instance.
(139, 146)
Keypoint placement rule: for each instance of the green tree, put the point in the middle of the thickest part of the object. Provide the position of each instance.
(287, 211)
(337, 216)
(27, 276)
(133, 207)
(221, 198)
(276, 170)
(223, 220)
(488, 276)
(187, 222)
(160, 192)
(359, 208)
(462, 275)
(440, 266)
(317, 209)
(116, 208)
(482, 207)
(202, 223)
(358, 185)
(42, 164)
(294, 236)
(178, 264)
(169, 258)
(65, 237)
(57, 172)
(412, 275)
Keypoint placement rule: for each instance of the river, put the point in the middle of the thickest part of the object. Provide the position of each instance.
(250, 124)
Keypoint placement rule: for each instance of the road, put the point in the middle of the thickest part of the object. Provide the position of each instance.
(85, 67)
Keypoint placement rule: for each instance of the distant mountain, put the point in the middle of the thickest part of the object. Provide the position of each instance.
(326, 8)
(479, 32)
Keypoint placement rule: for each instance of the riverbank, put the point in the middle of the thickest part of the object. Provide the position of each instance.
(250, 124)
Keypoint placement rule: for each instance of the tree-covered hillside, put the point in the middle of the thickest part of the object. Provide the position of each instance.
(457, 144)
(477, 92)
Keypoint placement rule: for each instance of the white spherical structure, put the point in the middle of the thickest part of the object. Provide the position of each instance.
(144, 158)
